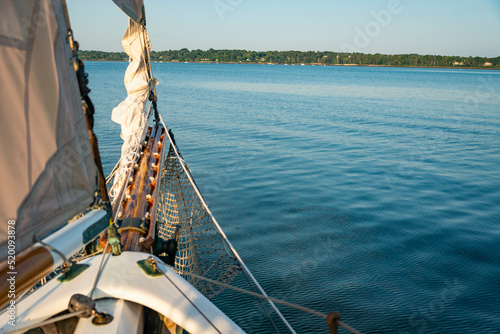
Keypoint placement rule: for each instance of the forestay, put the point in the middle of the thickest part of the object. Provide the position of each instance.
(46, 162)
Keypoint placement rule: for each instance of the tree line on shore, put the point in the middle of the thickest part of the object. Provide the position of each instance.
(302, 57)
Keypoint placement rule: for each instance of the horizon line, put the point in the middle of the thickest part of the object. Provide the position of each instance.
(324, 51)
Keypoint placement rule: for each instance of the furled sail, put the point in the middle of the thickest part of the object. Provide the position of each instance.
(131, 113)
(46, 162)
(133, 8)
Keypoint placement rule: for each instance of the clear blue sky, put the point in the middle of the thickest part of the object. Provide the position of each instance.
(438, 27)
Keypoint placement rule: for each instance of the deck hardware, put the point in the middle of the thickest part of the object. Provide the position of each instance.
(134, 224)
(72, 272)
(101, 318)
(332, 320)
(79, 302)
(168, 247)
(114, 240)
(149, 267)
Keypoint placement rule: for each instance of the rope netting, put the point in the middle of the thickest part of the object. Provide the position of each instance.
(202, 250)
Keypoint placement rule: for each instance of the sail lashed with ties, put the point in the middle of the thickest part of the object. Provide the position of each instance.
(131, 113)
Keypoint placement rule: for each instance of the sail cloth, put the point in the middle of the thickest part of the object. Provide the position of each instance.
(46, 162)
(131, 113)
(133, 8)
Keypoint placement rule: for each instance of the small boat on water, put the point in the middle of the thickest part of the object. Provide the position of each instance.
(136, 252)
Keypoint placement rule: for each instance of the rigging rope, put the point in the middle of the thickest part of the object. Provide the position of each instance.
(275, 300)
(209, 212)
(46, 322)
(99, 270)
(190, 301)
(260, 301)
(219, 229)
(152, 93)
(190, 274)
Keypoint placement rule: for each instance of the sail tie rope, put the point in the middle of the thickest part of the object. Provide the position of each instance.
(117, 188)
(135, 154)
(52, 249)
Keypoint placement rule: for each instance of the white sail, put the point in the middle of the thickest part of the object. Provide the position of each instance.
(46, 162)
(133, 8)
(131, 113)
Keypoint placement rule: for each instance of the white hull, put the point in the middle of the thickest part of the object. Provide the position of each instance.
(122, 279)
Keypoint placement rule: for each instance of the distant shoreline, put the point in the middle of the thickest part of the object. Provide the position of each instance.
(312, 64)
(316, 58)
(346, 65)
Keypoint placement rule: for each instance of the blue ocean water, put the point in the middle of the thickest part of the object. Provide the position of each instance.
(373, 192)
